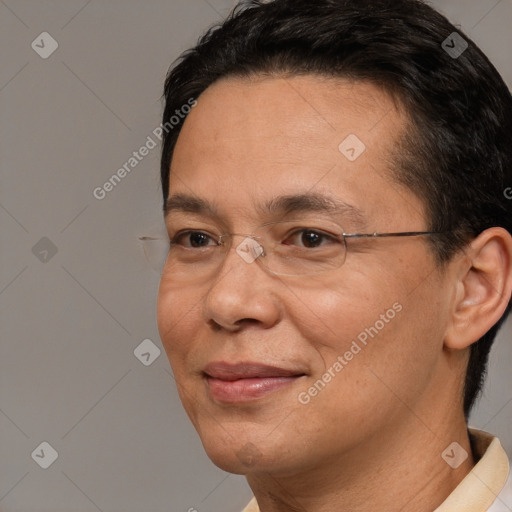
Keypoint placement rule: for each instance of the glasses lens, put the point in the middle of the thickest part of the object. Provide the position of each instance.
(307, 247)
(155, 252)
(292, 247)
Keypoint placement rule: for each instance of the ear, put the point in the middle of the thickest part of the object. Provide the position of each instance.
(484, 288)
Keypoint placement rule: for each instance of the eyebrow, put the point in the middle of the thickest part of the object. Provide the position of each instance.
(282, 205)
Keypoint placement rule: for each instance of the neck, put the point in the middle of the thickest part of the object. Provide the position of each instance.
(400, 469)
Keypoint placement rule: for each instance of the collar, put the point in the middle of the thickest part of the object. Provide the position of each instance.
(479, 488)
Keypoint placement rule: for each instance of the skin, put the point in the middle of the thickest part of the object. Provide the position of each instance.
(373, 438)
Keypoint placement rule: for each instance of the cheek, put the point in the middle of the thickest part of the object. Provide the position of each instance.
(330, 315)
(381, 333)
(178, 315)
(400, 347)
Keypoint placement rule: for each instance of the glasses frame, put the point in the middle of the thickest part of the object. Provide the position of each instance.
(343, 236)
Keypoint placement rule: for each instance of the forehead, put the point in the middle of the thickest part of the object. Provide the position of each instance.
(248, 139)
(309, 111)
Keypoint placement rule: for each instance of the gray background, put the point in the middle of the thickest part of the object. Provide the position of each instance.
(70, 321)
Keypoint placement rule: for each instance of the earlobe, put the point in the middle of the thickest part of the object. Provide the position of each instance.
(484, 288)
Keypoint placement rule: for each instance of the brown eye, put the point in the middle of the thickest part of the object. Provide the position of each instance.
(192, 239)
(310, 238)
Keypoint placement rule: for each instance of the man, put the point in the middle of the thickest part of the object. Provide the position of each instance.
(341, 256)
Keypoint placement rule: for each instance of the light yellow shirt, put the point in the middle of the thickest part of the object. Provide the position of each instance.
(479, 488)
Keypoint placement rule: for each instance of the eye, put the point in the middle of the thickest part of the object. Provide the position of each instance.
(311, 238)
(192, 239)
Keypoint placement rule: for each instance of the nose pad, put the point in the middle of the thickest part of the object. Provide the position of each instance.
(250, 250)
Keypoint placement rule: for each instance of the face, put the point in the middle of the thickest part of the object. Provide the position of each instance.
(354, 343)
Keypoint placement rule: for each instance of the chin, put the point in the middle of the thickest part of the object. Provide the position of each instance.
(239, 457)
(230, 466)
(238, 463)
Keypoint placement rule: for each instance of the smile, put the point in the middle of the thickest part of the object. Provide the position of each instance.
(242, 382)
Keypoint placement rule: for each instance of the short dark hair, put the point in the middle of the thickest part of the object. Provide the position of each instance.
(456, 154)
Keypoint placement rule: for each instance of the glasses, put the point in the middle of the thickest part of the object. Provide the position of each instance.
(286, 248)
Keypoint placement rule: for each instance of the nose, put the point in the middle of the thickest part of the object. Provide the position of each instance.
(243, 291)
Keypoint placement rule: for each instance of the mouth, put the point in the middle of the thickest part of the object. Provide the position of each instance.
(244, 382)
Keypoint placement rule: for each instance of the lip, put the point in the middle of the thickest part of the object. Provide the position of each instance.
(242, 382)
